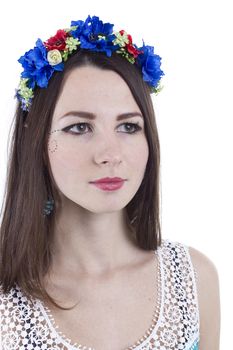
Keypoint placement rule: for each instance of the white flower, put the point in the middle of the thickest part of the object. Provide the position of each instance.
(54, 57)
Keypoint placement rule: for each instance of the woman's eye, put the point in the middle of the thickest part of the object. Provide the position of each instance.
(130, 126)
(80, 128)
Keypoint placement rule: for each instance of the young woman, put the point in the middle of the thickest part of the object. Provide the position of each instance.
(83, 263)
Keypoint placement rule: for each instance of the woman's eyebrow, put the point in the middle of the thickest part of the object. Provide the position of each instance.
(92, 116)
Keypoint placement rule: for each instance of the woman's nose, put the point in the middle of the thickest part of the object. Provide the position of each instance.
(109, 150)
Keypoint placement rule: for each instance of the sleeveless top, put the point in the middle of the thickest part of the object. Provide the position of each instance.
(29, 325)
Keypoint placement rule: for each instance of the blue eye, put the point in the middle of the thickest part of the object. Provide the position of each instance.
(82, 126)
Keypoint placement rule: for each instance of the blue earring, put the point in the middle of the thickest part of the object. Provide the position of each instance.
(48, 207)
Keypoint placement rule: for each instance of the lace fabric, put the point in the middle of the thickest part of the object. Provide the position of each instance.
(29, 325)
(51, 322)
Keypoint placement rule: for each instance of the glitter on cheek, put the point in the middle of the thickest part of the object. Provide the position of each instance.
(52, 146)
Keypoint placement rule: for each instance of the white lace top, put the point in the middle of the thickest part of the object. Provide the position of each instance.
(175, 324)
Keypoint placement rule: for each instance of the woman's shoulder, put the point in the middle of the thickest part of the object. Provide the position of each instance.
(208, 298)
(202, 262)
(203, 266)
(199, 259)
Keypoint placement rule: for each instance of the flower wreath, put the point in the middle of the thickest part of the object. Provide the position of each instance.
(47, 57)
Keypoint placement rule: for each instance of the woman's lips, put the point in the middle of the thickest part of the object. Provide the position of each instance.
(109, 186)
(108, 179)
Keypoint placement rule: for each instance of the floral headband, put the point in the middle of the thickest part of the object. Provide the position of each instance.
(47, 57)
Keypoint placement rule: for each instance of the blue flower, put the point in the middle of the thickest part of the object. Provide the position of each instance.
(95, 35)
(150, 64)
(75, 33)
(36, 66)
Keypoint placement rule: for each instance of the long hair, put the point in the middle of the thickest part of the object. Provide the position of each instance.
(26, 235)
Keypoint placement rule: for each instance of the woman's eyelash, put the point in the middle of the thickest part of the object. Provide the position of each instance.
(67, 129)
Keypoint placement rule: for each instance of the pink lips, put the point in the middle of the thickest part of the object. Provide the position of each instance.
(109, 184)
(108, 179)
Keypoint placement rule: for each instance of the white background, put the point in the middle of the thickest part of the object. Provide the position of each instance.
(193, 112)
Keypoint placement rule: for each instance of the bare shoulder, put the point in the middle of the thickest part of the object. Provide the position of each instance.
(208, 299)
(204, 266)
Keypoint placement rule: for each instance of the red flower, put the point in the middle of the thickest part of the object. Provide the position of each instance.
(130, 47)
(57, 41)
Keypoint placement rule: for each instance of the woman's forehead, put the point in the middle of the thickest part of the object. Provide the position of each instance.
(94, 79)
(94, 89)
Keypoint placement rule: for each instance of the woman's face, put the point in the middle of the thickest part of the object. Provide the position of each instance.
(99, 147)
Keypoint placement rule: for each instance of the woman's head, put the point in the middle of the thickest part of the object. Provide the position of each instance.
(106, 87)
(104, 146)
(35, 173)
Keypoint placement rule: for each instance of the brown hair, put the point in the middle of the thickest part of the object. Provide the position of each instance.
(26, 235)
